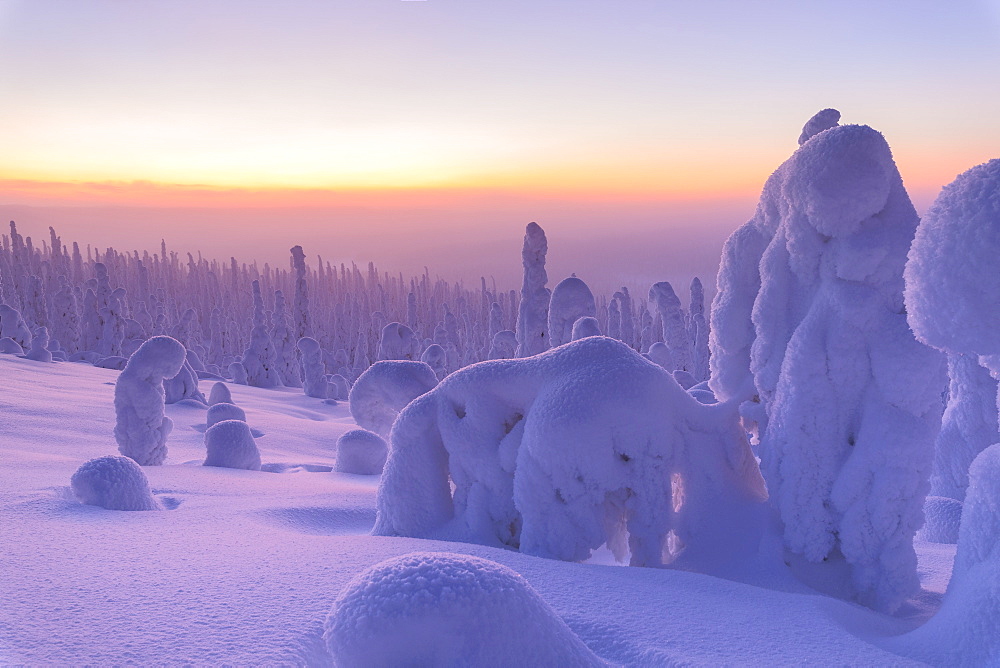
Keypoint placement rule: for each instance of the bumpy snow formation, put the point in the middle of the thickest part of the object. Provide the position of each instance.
(571, 300)
(942, 516)
(223, 411)
(809, 334)
(141, 428)
(675, 333)
(823, 120)
(113, 482)
(361, 452)
(384, 389)
(230, 444)
(313, 371)
(969, 425)
(964, 630)
(445, 609)
(220, 394)
(560, 453)
(952, 292)
(533, 311)
(585, 327)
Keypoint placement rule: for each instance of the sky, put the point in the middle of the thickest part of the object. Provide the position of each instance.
(412, 133)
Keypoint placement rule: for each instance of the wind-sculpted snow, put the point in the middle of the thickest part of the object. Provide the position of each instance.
(845, 402)
(584, 327)
(397, 343)
(114, 483)
(560, 453)
(141, 428)
(384, 389)
(571, 300)
(823, 120)
(436, 358)
(220, 394)
(230, 444)
(446, 609)
(361, 452)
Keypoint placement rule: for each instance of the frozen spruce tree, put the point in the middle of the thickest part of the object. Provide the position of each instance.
(141, 428)
(532, 316)
(675, 333)
(300, 306)
(39, 346)
(698, 331)
(315, 384)
(258, 359)
(571, 300)
(284, 340)
(852, 399)
(952, 293)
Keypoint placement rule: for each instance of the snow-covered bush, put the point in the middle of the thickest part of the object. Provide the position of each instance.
(224, 411)
(113, 482)
(964, 630)
(952, 292)
(846, 402)
(446, 609)
(220, 394)
(10, 347)
(384, 389)
(13, 326)
(571, 300)
(361, 451)
(504, 345)
(397, 343)
(560, 453)
(230, 444)
(141, 428)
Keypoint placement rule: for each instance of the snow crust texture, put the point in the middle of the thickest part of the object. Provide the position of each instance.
(141, 428)
(560, 453)
(384, 389)
(362, 452)
(113, 482)
(446, 609)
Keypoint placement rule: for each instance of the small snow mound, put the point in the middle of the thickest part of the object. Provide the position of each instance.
(113, 362)
(224, 411)
(384, 389)
(943, 516)
(113, 482)
(230, 445)
(39, 351)
(362, 452)
(10, 347)
(220, 394)
(822, 120)
(447, 609)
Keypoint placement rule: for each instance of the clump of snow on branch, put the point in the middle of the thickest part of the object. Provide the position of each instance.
(113, 482)
(141, 428)
(445, 609)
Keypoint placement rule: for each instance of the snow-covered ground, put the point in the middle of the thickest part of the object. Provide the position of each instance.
(242, 567)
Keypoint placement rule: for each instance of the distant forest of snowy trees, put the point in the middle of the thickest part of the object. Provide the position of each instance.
(242, 322)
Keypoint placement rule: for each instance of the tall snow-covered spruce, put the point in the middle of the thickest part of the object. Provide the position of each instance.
(533, 313)
(846, 402)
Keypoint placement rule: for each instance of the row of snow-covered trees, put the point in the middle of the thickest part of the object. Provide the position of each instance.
(243, 322)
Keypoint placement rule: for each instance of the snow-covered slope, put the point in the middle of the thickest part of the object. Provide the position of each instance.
(242, 567)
